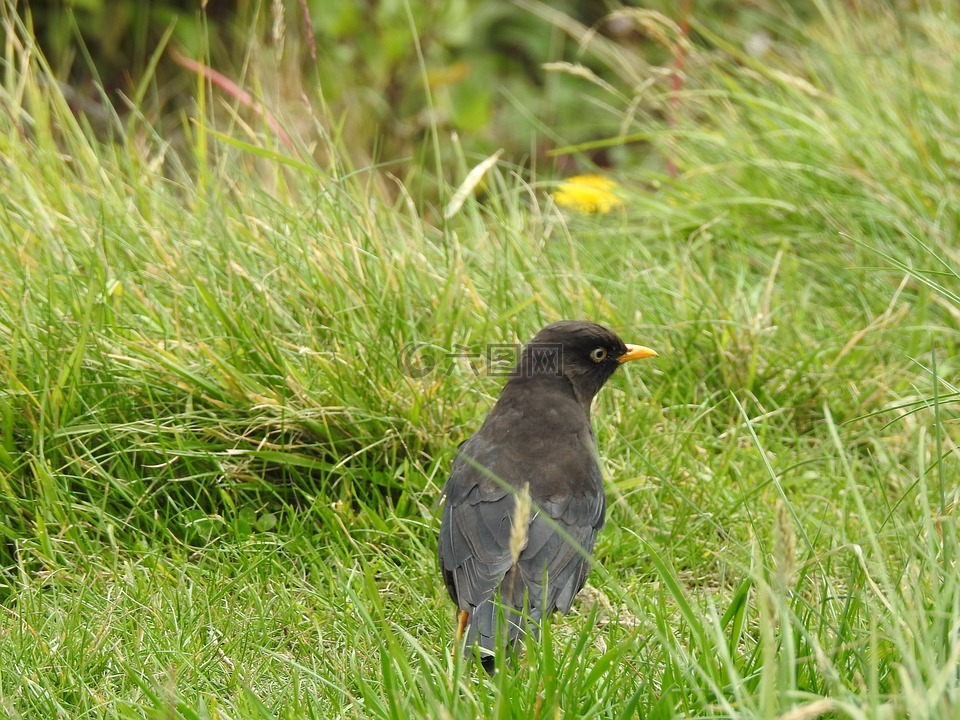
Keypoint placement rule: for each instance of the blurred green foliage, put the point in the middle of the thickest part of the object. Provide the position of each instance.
(118, 35)
(391, 81)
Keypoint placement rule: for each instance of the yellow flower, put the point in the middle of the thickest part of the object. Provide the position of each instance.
(587, 194)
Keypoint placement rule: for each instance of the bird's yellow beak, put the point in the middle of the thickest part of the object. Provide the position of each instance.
(636, 352)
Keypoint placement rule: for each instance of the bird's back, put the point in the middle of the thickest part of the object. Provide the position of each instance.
(537, 436)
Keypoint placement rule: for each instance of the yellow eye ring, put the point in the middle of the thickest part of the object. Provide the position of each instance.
(598, 354)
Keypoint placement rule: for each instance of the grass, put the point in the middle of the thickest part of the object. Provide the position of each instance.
(218, 471)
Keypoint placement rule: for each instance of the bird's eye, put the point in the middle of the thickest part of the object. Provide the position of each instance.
(598, 354)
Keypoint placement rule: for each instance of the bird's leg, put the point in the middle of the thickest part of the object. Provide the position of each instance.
(462, 617)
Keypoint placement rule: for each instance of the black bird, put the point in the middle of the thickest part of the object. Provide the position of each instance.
(530, 469)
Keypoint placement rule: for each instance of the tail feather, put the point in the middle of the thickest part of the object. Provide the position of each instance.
(507, 616)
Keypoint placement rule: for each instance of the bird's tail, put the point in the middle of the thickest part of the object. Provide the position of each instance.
(501, 621)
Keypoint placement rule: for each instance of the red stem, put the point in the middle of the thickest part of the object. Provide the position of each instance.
(236, 92)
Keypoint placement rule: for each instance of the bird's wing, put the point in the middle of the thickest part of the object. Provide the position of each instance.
(474, 536)
(565, 558)
(561, 539)
(474, 545)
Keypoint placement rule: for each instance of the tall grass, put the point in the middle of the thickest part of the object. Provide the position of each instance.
(222, 438)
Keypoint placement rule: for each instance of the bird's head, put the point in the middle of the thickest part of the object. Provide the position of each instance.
(584, 352)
